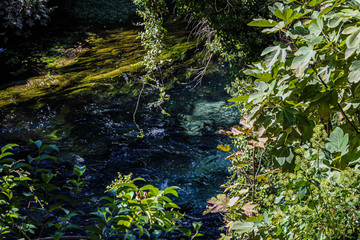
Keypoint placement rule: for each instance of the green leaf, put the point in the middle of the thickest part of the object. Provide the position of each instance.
(354, 75)
(288, 115)
(171, 190)
(262, 23)
(20, 165)
(47, 177)
(197, 225)
(338, 142)
(8, 147)
(242, 227)
(93, 236)
(279, 14)
(316, 27)
(283, 154)
(43, 147)
(255, 218)
(273, 54)
(172, 205)
(353, 40)
(256, 97)
(334, 22)
(243, 98)
(186, 231)
(299, 30)
(349, 52)
(313, 3)
(275, 29)
(79, 170)
(301, 193)
(302, 59)
(38, 143)
(288, 14)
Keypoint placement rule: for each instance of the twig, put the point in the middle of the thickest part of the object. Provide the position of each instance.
(202, 72)
(341, 109)
(136, 108)
(257, 172)
(253, 181)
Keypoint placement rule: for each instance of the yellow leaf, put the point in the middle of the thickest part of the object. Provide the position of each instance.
(235, 155)
(225, 148)
(240, 164)
(262, 178)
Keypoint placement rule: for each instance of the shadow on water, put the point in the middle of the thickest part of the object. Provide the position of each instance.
(178, 150)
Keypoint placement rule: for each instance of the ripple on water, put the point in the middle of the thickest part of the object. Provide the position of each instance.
(176, 150)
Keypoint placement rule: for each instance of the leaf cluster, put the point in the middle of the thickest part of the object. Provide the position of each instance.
(33, 205)
(18, 16)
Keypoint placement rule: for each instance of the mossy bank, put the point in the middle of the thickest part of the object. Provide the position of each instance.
(107, 62)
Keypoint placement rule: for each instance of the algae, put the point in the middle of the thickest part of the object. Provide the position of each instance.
(109, 61)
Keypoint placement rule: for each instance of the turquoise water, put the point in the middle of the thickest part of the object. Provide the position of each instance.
(98, 131)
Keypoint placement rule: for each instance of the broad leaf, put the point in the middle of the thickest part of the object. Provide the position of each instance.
(302, 59)
(242, 227)
(249, 208)
(353, 40)
(79, 170)
(283, 154)
(243, 98)
(262, 23)
(354, 75)
(338, 142)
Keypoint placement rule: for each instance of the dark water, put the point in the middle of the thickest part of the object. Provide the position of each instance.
(178, 150)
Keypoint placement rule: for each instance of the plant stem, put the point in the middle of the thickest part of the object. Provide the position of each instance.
(254, 177)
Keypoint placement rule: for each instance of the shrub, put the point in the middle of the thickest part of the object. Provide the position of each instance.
(18, 16)
(302, 109)
(32, 204)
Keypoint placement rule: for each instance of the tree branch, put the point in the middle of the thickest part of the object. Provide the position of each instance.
(341, 109)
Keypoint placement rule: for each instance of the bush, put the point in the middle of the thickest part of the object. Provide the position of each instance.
(296, 164)
(32, 204)
(18, 16)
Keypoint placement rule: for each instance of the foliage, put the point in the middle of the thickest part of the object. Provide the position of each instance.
(33, 204)
(18, 16)
(302, 109)
(222, 35)
(244, 192)
(102, 12)
(310, 76)
(318, 200)
(227, 22)
(133, 212)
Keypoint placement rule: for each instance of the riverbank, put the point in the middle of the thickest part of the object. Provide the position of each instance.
(109, 61)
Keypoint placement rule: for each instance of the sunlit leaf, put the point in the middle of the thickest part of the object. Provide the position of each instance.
(301, 60)
(354, 75)
(353, 40)
(242, 227)
(249, 208)
(235, 155)
(262, 178)
(225, 148)
(338, 142)
(262, 23)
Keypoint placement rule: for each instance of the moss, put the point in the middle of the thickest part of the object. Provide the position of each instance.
(110, 55)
